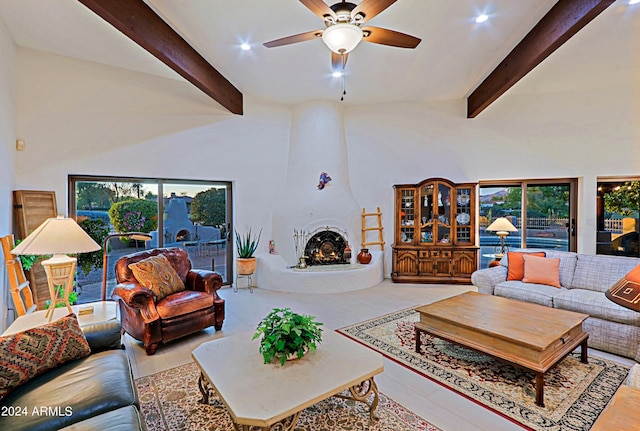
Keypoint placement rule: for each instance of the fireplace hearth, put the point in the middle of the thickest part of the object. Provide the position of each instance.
(326, 247)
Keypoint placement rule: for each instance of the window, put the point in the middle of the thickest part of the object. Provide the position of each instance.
(618, 201)
(548, 220)
(193, 215)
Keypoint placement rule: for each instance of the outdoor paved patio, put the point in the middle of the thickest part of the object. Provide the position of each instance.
(91, 284)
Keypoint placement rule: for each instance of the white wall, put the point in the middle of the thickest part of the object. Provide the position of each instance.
(7, 153)
(83, 118)
(79, 117)
(574, 134)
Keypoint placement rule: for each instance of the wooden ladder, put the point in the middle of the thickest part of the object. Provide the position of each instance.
(18, 284)
(365, 229)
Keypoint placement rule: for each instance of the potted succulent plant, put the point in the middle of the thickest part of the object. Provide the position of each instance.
(247, 245)
(287, 335)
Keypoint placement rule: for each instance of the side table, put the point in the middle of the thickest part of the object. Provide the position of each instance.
(102, 311)
(249, 282)
(496, 259)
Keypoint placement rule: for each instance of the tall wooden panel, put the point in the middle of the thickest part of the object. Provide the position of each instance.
(31, 209)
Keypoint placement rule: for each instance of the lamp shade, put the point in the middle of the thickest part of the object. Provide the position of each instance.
(342, 38)
(57, 236)
(501, 224)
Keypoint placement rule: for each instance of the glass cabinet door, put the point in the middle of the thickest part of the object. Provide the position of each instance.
(426, 214)
(407, 215)
(463, 215)
(443, 229)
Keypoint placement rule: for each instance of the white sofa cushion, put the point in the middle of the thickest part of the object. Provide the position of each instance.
(600, 272)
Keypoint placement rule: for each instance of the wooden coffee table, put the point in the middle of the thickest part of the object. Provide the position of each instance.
(529, 336)
(267, 397)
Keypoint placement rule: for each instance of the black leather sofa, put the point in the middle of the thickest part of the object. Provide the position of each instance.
(93, 393)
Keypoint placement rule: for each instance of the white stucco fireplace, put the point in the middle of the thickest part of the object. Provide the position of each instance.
(317, 145)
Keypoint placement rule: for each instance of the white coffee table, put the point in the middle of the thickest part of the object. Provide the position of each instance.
(102, 312)
(259, 395)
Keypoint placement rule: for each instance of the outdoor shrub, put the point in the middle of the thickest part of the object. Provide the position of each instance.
(73, 298)
(135, 215)
(209, 207)
(98, 229)
(28, 260)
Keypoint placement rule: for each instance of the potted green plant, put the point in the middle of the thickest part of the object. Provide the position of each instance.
(287, 335)
(247, 245)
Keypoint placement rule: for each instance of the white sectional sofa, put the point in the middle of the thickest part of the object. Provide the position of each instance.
(584, 279)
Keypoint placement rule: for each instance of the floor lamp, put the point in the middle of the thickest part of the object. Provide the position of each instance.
(136, 236)
(501, 226)
(58, 237)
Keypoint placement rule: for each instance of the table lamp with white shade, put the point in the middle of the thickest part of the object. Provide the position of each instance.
(58, 237)
(501, 226)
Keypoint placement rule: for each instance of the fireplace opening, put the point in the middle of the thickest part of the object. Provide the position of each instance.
(183, 235)
(326, 248)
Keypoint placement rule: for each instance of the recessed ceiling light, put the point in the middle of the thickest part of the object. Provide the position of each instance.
(482, 18)
(336, 74)
(634, 1)
(245, 47)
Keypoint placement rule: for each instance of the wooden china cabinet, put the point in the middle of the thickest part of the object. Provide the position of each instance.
(435, 232)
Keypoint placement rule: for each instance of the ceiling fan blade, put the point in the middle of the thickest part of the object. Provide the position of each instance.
(302, 37)
(338, 62)
(371, 8)
(385, 36)
(318, 7)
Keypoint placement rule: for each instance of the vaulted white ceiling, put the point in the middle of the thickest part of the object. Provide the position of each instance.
(455, 55)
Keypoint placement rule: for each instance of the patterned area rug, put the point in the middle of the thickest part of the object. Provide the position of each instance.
(574, 393)
(169, 402)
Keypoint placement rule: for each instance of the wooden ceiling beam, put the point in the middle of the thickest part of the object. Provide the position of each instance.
(142, 25)
(565, 19)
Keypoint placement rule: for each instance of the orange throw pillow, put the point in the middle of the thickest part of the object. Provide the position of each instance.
(515, 270)
(626, 291)
(541, 270)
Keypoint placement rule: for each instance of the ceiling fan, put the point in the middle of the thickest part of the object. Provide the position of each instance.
(343, 30)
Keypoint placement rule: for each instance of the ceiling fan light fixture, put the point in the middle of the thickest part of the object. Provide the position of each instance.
(342, 38)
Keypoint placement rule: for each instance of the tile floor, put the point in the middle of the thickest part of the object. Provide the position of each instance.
(244, 310)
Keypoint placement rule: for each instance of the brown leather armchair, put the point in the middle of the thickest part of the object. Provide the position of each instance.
(177, 315)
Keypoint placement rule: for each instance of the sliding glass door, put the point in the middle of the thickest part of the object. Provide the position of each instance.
(548, 223)
(542, 211)
(195, 217)
(192, 215)
(618, 216)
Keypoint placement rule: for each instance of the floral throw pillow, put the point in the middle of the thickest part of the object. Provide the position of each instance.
(157, 274)
(27, 354)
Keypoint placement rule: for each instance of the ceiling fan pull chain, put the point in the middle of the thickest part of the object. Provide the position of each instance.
(344, 87)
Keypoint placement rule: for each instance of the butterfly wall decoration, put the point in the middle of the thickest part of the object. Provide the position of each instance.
(324, 179)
